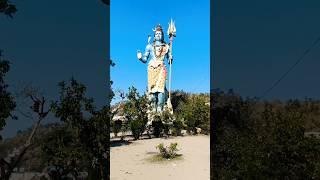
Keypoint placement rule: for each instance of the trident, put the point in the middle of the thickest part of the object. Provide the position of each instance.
(172, 33)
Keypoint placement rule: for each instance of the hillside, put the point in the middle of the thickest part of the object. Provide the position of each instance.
(32, 160)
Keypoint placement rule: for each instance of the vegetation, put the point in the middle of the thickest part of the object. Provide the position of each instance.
(168, 152)
(157, 128)
(116, 127)
(177, 126)
(196, 112)
(135, 108)
(78, 142)
(191, 111)
(252, 139)
(6, 99)
(81, 143)
(31, 160)
(264, 140)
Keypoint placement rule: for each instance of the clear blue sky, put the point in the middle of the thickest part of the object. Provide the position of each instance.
(255, 42)
(132, 21)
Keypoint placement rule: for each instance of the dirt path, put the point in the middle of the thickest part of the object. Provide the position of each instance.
(130, 162)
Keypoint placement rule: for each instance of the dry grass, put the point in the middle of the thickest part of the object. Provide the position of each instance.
(157, 158)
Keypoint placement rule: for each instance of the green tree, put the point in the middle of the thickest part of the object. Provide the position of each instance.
(196, 112)
(116, 127)
(178, 97)
(262, 140)
(86, 131)
(7, 103)
(167, 120)
(61, 151)
(135, 110)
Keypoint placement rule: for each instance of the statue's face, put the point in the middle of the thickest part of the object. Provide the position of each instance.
(158, 35)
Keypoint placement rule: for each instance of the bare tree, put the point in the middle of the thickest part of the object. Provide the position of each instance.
(38, 107)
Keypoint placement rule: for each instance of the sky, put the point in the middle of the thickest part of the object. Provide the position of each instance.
(132, 21)
(50, 41)
(255, 42)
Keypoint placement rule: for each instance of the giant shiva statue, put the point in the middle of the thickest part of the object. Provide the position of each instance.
(158, 51)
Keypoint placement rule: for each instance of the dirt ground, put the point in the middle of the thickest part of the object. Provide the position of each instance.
(133, 161)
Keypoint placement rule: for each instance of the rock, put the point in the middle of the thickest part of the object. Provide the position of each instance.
(198, 130)
(183, 132)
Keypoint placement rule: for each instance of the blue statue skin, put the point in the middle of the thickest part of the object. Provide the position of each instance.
(158, 98)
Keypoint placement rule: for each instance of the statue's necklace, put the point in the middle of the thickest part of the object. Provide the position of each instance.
(160, 51)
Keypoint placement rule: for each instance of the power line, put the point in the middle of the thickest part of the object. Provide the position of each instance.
(306, 52)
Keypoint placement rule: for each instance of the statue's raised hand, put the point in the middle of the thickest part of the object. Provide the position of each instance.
(139, 54)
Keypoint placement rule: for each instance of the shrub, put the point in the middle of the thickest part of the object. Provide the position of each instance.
(262, 140)
(125, 127)
(137, 127)
(116, 127)
(135, 111)
(196, 113)
(168, 152)
(166, 129)
(167, 120)
(178, 125)
(157, 128)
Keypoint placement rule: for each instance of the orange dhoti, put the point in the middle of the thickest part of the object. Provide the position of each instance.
(157, 74)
